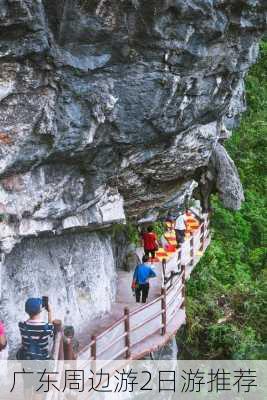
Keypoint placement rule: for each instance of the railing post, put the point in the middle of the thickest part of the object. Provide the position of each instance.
(58, 329)
(57, 325)
(127, 332)
(179, 260)
(93, 357)
(202, 236)
(93, 347)
(183, 284)
(172, 275)
(208, 224)
(164, 269)
(68, 349)
(164, 311)
(68, 343)
(192, 249)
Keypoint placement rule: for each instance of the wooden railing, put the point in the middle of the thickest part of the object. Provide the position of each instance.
(198, 241)
(123, 337)
(58, 346)
(57, 355)
(120, 340)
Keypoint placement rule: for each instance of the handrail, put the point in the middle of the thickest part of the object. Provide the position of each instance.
(57, 345)
(174, 314)
(58, 351)
(145, 306)
(166, 298)
(176, 281)
(146, 321)
(112, 343)
(149, 334)
(174, 296)
(111, 327)
(120, 352)
(57, 355)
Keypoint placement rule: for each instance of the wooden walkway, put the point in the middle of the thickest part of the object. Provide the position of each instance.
(130, 330)
(150, 325)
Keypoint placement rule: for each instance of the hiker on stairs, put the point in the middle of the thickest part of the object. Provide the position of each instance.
(180, 228)
(150, 241)
(143, 272)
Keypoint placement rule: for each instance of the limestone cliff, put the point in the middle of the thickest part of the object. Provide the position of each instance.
(110, 109)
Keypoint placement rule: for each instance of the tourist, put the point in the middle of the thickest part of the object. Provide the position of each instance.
(35, 332)
(170, 221)
(180, 228)
(142, 274)
(3, 342)
(150, 242)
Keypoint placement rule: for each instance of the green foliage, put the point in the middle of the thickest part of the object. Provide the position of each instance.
(234, 267)
(159, 228)
(3, 217)
(128, 230)
(133, 234)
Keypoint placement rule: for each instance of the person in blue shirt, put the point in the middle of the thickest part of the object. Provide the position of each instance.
(141, 277)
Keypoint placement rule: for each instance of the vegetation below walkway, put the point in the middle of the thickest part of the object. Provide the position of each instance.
(227, 294)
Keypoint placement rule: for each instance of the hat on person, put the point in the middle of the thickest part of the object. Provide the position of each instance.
(33, 306)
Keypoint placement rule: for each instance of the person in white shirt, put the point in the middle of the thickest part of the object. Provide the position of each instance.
(180, 227)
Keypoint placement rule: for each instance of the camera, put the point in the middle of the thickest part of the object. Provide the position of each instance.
(45, 302)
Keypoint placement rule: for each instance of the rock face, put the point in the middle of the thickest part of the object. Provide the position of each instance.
(226, 177)
(76, 271)
(108, 109)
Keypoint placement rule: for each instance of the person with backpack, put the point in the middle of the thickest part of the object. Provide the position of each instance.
(35, 333)
(150, 241)
(142, 274)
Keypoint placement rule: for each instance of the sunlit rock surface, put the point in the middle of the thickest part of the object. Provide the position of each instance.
(112, 109)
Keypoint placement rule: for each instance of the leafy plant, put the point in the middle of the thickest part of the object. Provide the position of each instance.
(133, 234)
(159, 228)
(235, 264)
(3, 217)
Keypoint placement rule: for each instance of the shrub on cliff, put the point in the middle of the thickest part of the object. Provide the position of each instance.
(227, 296)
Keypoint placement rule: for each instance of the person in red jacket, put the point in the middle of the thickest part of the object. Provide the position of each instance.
(150, 241)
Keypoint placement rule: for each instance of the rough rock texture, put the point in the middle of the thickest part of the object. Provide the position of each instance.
(77, 271)
(221, 176)
(113, 108)
(226, 177)
(105, 102)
